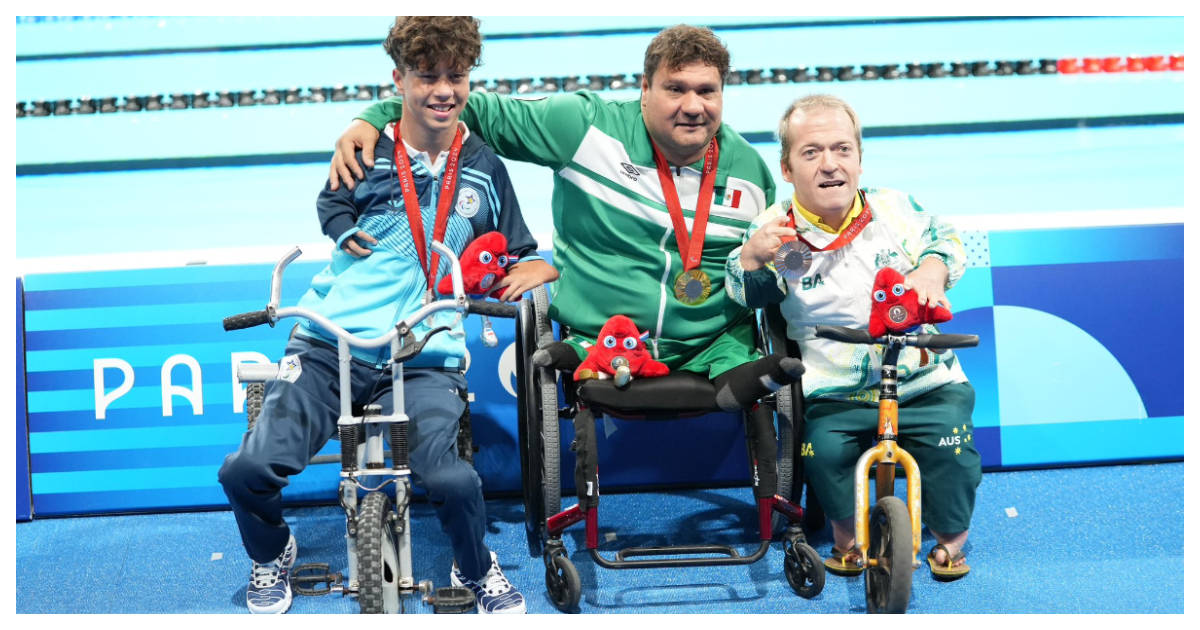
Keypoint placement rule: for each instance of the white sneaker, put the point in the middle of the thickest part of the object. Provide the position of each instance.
(493, 593)
(270, 589)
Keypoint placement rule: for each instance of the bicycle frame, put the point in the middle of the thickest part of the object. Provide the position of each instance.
(887, 452)
(363, 455)
(884, 456)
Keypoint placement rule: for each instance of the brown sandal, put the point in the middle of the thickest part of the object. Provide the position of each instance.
(947, 571)
(844, 563)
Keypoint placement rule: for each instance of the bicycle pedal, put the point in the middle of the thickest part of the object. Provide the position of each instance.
(451, 600)
(315, 573)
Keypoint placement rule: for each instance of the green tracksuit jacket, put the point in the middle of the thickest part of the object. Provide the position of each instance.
(614, 245)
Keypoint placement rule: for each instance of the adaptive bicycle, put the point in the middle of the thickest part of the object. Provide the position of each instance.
(888, 537)
(378, 537)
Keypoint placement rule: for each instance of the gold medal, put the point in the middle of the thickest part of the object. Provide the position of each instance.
(692, 287)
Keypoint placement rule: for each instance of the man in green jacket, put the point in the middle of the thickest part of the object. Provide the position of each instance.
(650, 197)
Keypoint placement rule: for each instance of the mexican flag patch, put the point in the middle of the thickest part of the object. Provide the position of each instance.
(728, 197)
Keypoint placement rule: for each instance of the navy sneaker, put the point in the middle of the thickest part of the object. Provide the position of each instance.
(270, 589)
(493, 593)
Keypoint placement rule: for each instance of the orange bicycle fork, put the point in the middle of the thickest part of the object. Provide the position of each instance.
(884, 456)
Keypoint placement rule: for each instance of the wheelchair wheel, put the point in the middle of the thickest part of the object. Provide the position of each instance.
(889, 581)
(784, 410)
(541, 484)
(254, 402)
(562, 582)
(804, 569)
(551, 475)
(375, 546)
(528, 410)
(551, 479)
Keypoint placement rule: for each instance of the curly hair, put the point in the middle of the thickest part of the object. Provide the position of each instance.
(423, 41)
(682, 44)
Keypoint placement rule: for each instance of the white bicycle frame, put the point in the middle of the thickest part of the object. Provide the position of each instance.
(371, 450)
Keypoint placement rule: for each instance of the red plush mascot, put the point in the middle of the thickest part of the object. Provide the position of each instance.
(484, 263)
(620, 353)
(894, 309)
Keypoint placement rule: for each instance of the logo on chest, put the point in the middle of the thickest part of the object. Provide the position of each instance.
(886, 258)
(468, 202)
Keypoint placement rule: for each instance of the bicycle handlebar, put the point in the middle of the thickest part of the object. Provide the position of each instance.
(248, 320)
(936, 342)
(272, 313)
(492, 309)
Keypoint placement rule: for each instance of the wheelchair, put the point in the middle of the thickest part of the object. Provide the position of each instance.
(777, 489)
(378, 536)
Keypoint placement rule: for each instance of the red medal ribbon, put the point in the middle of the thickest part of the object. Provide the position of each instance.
(849, 234)
(412, 205)
(689, 249)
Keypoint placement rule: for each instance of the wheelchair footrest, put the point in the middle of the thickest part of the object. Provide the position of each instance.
(730, 556)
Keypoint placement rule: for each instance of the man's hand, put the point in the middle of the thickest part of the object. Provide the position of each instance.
(525, 276)
(929, 281)
(359, 135)
(351, 244)
(760, 248)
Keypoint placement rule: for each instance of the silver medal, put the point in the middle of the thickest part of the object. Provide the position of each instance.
(793, 259)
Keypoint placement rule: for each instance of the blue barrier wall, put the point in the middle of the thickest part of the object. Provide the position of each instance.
(1075, 282)
(23, 497)
(1062, 374)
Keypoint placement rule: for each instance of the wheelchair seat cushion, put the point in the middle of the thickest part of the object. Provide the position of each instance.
(676, 394)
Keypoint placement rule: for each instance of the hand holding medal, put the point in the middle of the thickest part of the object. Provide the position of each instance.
(793, 258)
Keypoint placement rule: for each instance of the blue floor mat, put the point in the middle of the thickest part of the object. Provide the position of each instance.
(1082, 540)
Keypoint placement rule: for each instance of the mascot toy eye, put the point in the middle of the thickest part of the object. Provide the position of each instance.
(621, 361)
(484, 263)
(895, 310)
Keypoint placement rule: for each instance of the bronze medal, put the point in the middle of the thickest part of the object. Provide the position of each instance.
(793, 259)
(692, 287)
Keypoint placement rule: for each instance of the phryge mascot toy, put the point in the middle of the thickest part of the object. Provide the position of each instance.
(620, 354)
(484, 264)
(894, 309)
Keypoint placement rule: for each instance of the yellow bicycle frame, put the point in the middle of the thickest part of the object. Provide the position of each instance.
(885, 454)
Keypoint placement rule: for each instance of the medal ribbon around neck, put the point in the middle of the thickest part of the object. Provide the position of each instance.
(849, 234)
(689, 249)
(412, 205)
(794, 256)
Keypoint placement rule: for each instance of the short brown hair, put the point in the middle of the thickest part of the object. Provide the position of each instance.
(682, 44)
(423, 41)
(813, 102)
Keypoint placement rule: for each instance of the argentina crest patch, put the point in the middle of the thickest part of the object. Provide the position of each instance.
(468, 202)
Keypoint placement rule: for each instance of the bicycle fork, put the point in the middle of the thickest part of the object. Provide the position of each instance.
(884, 456)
